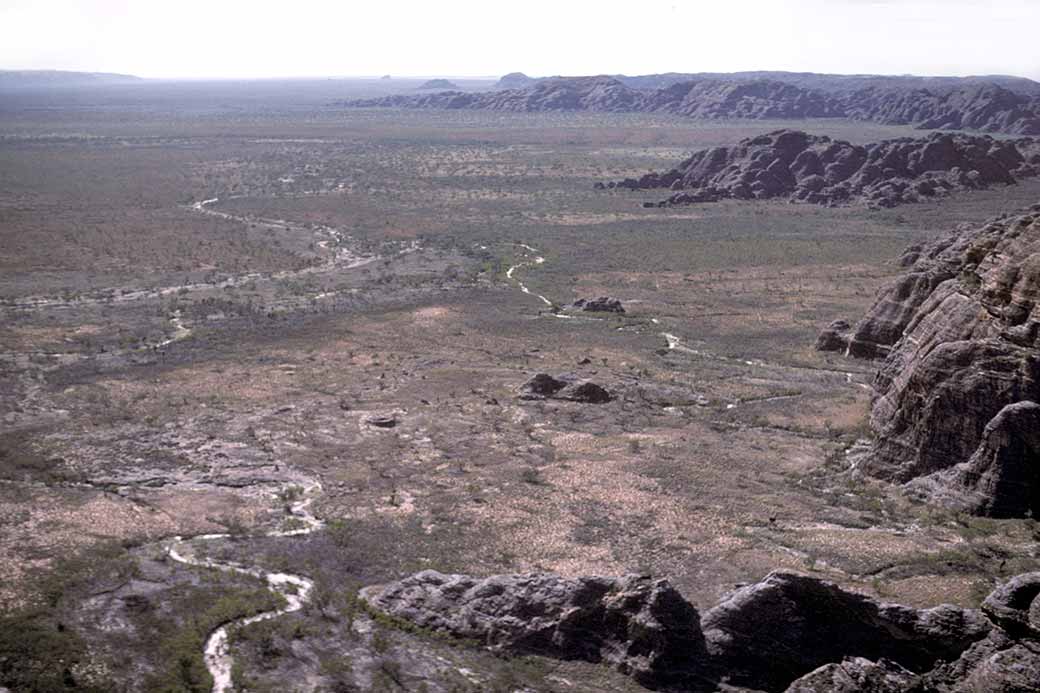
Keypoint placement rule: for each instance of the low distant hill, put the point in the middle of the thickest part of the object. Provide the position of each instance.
(438, 84)
(515, 80)
(25, 79)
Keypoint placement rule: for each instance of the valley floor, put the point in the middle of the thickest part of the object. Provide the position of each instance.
(205, 318)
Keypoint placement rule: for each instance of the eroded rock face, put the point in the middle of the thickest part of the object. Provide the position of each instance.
(954, 407)
(638, 625)
(788, 632)
(794, 165)
(768, 634)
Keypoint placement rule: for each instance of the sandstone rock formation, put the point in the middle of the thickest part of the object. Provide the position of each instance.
(788, 632)
(988, 106)
(768, 634)
(641, 627)
(983, 107)
(794, 165)
(955, 408)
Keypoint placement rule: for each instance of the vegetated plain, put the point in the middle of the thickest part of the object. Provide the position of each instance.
(167, 363)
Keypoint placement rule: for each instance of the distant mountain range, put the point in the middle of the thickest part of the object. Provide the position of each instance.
(970, 103)
(24, 79)
(807, 80)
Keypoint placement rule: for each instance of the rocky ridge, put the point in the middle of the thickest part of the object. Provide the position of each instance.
(788, 632)
(988, 106)
(955, 410)
(801, 167)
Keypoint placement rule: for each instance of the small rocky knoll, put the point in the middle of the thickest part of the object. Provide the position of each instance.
(795, 165)
(955, 409)
(788, 632)
(438, 84)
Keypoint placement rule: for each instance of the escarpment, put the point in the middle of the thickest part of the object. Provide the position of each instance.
(985, 106)
(787, 632)
(955, 410)
(797, 166)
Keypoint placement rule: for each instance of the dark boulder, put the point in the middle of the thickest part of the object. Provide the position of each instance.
(541, 386)
(587, 392)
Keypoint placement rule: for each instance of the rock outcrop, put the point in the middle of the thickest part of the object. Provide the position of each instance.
(603, 304)
(795, 165)
(955, 408)
(640, 626)
(565, 387)
(988, 106)
(788, 632)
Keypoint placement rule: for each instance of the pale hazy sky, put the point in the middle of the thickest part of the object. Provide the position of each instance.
(255, 38)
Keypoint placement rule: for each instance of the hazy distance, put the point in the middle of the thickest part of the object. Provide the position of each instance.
(247, 39)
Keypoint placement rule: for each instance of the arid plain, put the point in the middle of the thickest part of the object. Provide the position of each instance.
(210, 314)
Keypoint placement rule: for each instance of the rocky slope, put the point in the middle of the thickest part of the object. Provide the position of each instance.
(788, 632)
(808, 168)
(954, 410)
(984, 106)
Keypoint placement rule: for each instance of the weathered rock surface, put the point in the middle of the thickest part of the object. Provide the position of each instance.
(856, 675)
(566, 387)
(768, 634)
(602, 304)
(638, 625)
(988, 106)
(794, 165)
(788, 632)
(955, 400)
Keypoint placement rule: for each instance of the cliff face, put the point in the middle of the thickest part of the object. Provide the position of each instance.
(955, 400)
(807, 168)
